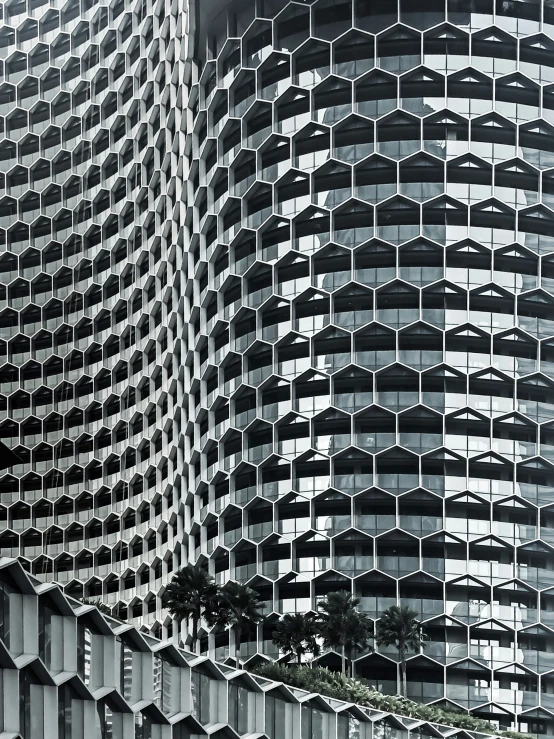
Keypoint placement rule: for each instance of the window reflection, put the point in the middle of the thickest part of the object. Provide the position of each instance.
(275, 712)
(200, 686)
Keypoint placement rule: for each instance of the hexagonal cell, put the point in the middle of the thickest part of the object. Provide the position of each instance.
(7, 39)
(17, 123)
(16, 67)
(292, 27)
(273, 76)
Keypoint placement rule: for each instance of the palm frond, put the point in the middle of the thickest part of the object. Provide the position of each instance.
(399, 626)
(189, 593)
(296, 633)
(238, 605)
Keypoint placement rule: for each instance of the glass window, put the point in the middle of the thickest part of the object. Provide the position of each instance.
(5, 624)
(31, 692)
(348, 727)
(126, 671)
(312, 722)
(84, 650)
(143, 726)
(45, 617)
(274, 717)
(70, 713)
(200, 687)
(238, 707)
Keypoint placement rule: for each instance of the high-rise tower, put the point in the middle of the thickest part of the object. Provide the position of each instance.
(90, 257)
(371, 324)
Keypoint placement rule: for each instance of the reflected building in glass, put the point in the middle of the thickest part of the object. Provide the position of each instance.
(370, 308)
(90, 387)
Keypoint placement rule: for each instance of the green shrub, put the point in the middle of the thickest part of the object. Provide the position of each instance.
(353, 690)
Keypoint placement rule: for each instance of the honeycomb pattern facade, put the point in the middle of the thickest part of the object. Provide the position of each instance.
(90, 386)
(83, 676)
(371, 329)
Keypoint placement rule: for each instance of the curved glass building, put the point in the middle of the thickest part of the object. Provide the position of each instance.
(90, 260)
(370, 308)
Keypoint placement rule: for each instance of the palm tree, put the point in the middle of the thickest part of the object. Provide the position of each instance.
(191, 594)
(359, 630)
(342, 625)
(296, 633)
(239, 608)
(399, 626)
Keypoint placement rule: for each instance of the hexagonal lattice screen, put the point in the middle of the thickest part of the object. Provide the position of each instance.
(372, 314)
(88, 295)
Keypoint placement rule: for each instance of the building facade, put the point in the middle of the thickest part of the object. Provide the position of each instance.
(331, 222)
(370, 316)
(90, 263)
(69, 673)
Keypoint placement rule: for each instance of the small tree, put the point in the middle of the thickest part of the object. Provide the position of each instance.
(239, 608)
(191, 594)
(342, 626)
(399, 626)
(296, 633)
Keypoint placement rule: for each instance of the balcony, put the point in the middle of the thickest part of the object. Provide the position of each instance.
(537, 660)
(519, 700)
(294, 605)
(492, 656)
(446, 652)
(375, 524)
(243, 573)
(516, 615)
(353, 565)
(421, 525)
(259, 531)
(312, 566)
(494, 572)
(276, 568)
(397, 566)
(538, 577)
(375, 605)
(468, 695)
(331, 525)
(425, 692)
(425, 607)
